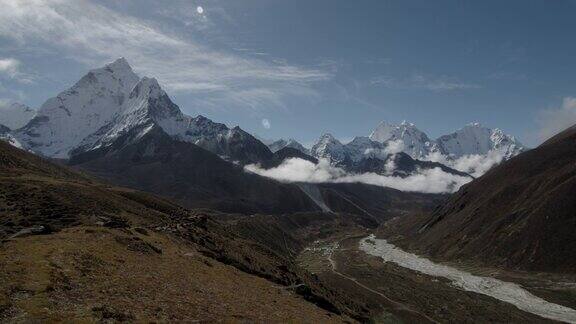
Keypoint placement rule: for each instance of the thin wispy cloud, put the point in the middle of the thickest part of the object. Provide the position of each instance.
(11, 68)
(510, 76)
(94, 34)
(190, 15)
(422, 81)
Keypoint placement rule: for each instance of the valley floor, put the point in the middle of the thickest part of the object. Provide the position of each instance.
(397, 294)
(505, 291)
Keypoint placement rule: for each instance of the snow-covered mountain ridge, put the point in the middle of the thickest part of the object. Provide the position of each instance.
(292, 143)
(473, 149)
(473, 139)
(66, 120)
(113, 101)
(416, 143)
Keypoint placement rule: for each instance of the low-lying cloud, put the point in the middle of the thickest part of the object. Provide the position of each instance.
(477, 165)
(473, 164)
(299, 170)
(394, 147)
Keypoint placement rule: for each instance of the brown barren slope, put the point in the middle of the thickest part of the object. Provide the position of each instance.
(74, 248)
(519, 215)
(93, 274)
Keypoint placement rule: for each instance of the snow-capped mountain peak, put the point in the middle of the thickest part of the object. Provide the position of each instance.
(146, 105)
(147, 87)
(126, 107)
(472, 149)
(147, 94)
(120, 66)
(326, 140)
(383, 132)
(363, 147)
(64, 121)
(360, 147)
(416, 143)
(117, 76)
(292, 143)
(360, 140)
(475, 139)
(330, 148)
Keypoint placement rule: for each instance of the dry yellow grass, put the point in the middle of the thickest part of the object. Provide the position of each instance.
(89, 274)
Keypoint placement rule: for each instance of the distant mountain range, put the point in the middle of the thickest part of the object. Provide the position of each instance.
(388, 140)
(126, 129)
(111, 108)
(473, 139)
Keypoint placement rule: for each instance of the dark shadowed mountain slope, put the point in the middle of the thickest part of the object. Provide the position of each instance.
(521, 214)
(156, 163)
(379, 203)
(401, 164)
(287, 153)
(152, 161)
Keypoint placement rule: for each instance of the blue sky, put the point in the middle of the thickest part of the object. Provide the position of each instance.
(309, 67)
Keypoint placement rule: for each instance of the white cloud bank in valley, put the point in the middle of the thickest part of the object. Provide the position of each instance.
(474, 164)
(477, 165)
(299, 170)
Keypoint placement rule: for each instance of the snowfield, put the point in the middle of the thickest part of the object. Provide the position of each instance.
(501, 290)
